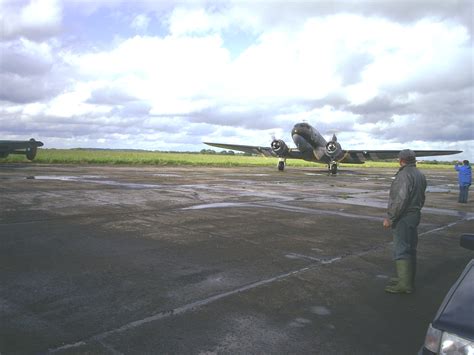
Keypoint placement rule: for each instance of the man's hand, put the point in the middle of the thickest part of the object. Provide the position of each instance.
(387, 223)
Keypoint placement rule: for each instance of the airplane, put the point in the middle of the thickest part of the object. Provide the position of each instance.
(311, 146)
(29, 148)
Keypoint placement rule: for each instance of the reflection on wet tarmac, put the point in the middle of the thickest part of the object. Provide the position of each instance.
(245, 175)
(320, 310)
(167, 175)
(438, 189)
(94, 180)
(219, 205)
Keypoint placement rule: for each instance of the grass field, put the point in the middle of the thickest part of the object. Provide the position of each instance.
(117, 157)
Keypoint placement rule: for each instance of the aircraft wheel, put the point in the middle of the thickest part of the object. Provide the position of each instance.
(31, 153)
(281, 165)
(333, 169)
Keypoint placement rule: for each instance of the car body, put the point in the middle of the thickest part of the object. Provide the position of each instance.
(452, 330)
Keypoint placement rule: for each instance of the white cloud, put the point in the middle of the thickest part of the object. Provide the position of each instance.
(194, 19)
(140, 23)
(31, 71)
(173, 74)
(24, 57)
(37, 20)
(184, 21)
(74, 103)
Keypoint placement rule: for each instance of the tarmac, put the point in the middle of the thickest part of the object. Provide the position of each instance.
(199, 260)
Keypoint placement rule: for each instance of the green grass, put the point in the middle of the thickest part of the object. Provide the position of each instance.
(117, 157)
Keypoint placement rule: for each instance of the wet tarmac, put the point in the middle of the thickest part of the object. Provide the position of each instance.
(193, 260)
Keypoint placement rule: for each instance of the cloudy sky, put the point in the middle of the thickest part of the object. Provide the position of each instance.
(167, 75)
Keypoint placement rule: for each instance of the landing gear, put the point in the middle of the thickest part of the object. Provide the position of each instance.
(281, 164)
(30, 153)
(332, 167)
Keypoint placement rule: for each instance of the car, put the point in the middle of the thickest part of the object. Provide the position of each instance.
(452, 330)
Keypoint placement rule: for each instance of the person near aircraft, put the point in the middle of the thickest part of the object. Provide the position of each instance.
(465, 179)
(407, 197)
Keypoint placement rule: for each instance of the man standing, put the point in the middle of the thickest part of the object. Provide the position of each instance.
(407, 197)
(464, 178)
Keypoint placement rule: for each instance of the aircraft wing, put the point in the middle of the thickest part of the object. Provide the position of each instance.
(251, 149)
(359, 156)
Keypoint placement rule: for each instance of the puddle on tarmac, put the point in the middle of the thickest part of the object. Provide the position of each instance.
(94, 180)
(373, 178)
(353, 200)
(299, 323)
(243, 174)
(219, 205)
(167, 175)
(437, 189)
(63, 177)
(320, 310)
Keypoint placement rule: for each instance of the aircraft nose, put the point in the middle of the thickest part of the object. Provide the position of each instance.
(300, 129)
(301, 143)
(296, 129)
(297, 138)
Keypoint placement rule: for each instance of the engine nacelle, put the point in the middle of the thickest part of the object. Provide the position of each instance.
(280, 148)
(333, 149)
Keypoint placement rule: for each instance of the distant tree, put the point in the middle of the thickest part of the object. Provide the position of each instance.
(208, 151)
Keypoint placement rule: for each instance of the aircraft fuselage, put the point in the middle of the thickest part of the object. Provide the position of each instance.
(312, 145)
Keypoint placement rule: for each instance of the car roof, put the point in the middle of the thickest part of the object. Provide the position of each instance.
(456, 313)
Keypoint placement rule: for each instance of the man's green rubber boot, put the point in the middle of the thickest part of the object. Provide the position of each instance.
(394, 280)
(405, 277)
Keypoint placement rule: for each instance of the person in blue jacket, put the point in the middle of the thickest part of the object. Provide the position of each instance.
(465, 178)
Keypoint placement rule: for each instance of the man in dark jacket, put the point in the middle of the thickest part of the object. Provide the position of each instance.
(407, 197)
(464, 178)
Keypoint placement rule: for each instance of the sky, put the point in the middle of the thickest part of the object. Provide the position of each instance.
(168, 75)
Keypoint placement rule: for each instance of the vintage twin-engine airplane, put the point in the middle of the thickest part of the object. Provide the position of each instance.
(28, 148)
(311, 146)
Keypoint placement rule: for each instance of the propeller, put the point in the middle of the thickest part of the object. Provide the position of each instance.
(276, 144)
(332, 147)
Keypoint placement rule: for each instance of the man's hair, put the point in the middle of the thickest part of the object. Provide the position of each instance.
(465, 162)
(407, 155)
